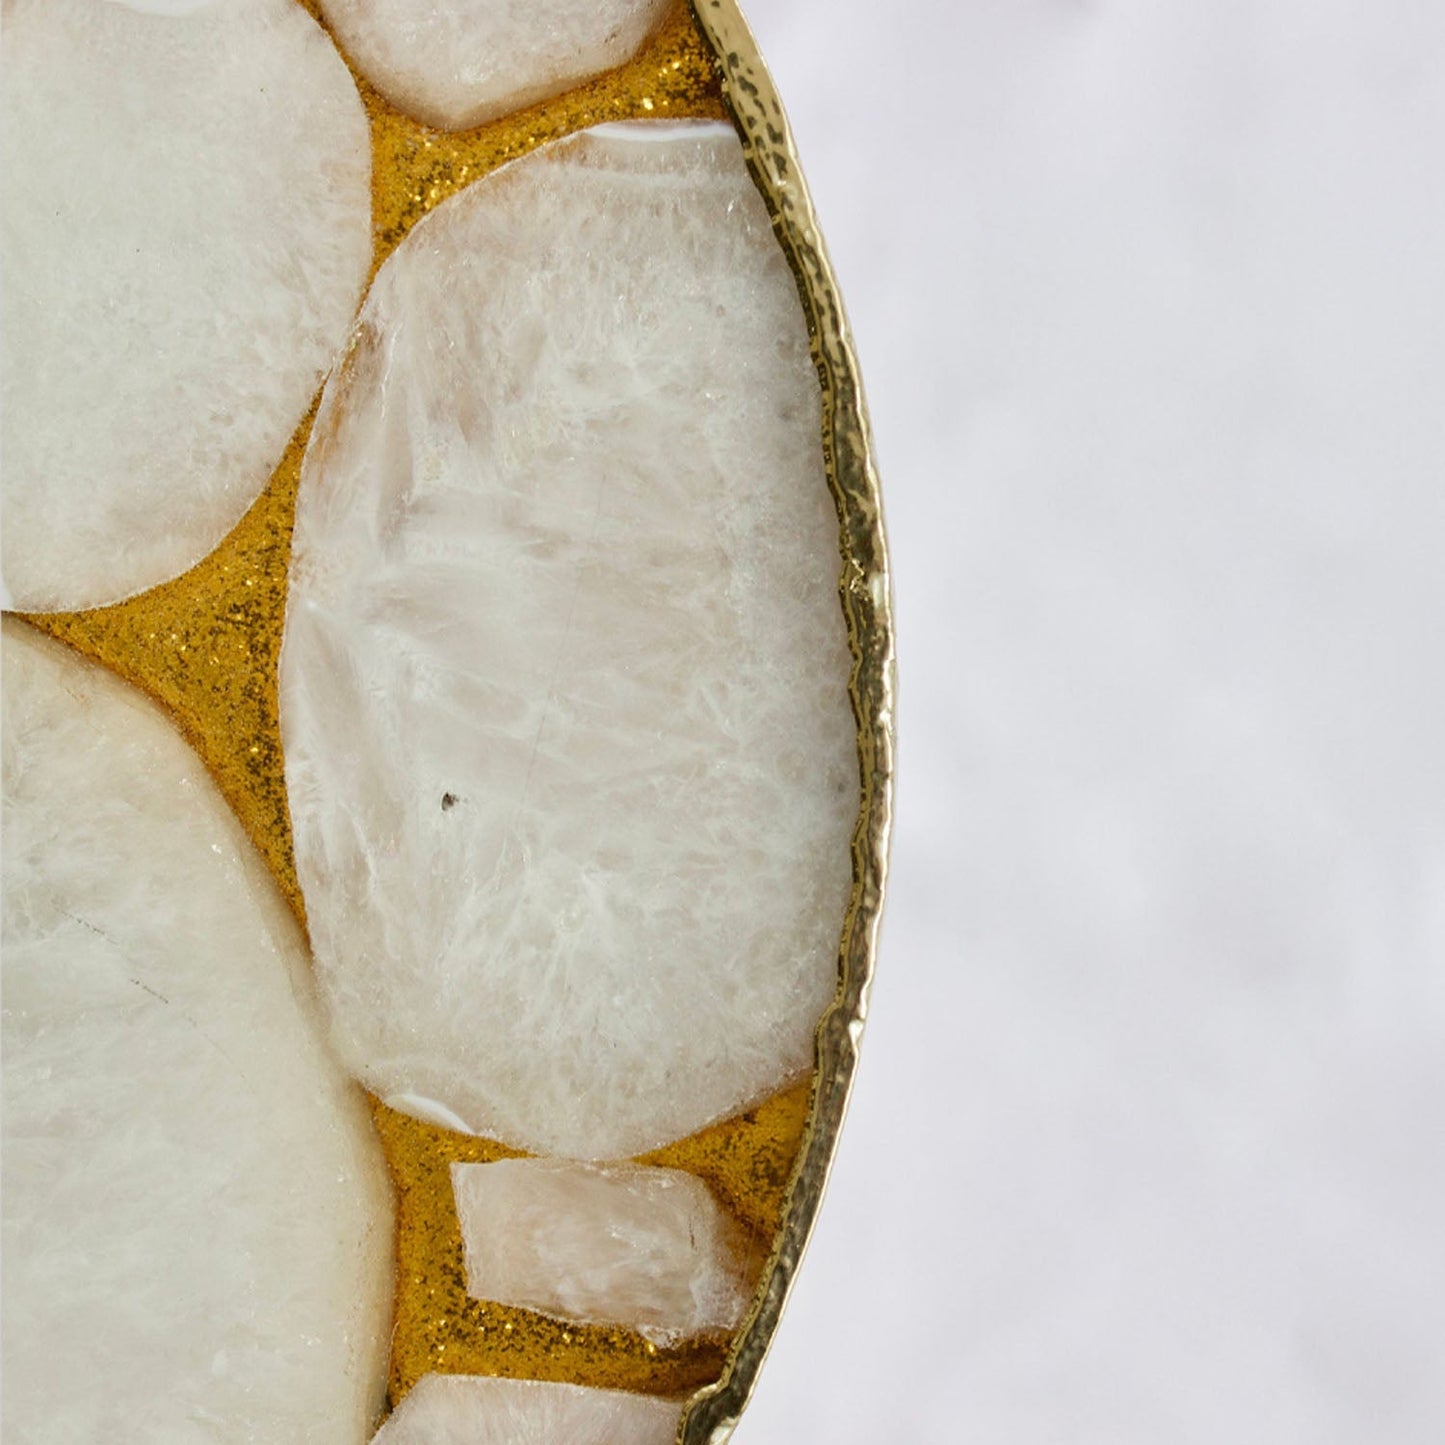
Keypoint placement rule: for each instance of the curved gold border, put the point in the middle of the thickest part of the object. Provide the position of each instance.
(748, 93)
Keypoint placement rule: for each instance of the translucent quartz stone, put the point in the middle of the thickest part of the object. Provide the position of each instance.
(197, 1223)
(457, 64)
(186, 230)
(627, 1245)
(469, 1410)
(571, 758)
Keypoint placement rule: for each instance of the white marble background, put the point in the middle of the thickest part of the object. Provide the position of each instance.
(1149, 1140)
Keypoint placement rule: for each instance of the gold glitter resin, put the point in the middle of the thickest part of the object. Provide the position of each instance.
(414, 168)
(206, 646)
(439, 1328)
(747, 1161)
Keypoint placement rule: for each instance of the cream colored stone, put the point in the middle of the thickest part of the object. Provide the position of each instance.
(196, 1218)
(456, 63)
(469, 1410)
(186, 223)
(571, 759)
(625, 1244)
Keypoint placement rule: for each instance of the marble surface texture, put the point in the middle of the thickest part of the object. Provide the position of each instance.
(186, 231)
(621, 1244)
(469, 1410)
(459, 63)
(569, 748)
(197, 1223)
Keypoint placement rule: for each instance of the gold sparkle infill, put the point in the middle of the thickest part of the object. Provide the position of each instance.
(746, 1160)
(206, 646)
(414, 168)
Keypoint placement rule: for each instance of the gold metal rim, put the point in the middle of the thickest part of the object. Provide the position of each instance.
(757, 113)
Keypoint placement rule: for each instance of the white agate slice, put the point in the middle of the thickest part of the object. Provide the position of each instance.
(186, 237)
(197, 1223)
(456, 63)
(472, 1410)
(627, 1245)
(571, 759)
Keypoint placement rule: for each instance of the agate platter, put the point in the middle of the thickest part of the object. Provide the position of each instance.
(447, 720)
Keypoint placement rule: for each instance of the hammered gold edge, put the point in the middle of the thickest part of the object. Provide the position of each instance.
(712, 1413)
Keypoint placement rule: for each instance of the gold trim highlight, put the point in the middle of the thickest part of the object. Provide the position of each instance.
(438, 1327)
(772, 158)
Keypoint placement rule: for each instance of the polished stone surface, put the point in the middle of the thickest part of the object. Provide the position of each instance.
(456, 63)
(571, 759)
(623, 1244)
(186, 237)
(474, 1410)
(197, 1222)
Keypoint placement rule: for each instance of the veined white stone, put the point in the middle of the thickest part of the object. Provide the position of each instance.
(472, 1410)
(571, 759)
(186, 236)
(197, 1223)
(456, 63)
(626, 1244)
